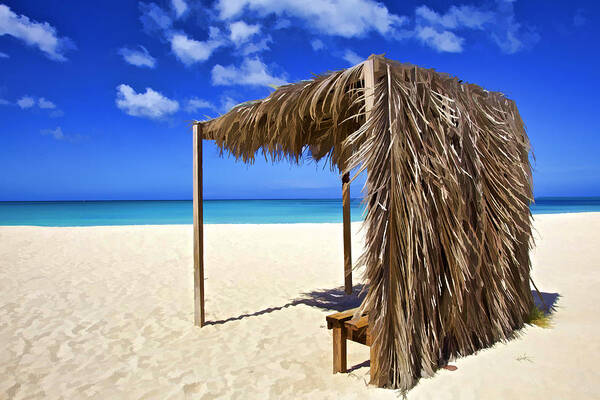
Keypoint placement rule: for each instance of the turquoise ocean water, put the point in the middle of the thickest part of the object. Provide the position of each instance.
(90, 213)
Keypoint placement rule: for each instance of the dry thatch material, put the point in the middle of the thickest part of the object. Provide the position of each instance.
(447, 192)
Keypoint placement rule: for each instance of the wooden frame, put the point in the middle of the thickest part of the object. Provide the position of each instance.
(347, 234)
(369, 77)
(371, 70)
(199, 317)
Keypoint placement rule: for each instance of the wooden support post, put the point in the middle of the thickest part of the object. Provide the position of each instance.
(370, 72)
(347, 234)
(198, 230)
(339, 348)
(370, 69)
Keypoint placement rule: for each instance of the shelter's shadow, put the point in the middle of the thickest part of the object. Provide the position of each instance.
(326, 299)
(547, 303)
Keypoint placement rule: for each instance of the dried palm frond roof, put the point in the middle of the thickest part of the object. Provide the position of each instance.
(318, 113)
(447, 193)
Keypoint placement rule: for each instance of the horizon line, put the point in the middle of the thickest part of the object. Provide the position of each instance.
(249, 199)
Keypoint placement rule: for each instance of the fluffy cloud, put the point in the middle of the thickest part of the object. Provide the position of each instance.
(252, 72)
(439, 31)
(455, 17)
(352, 57)
(138, 57)
(226, 103)
(154, 18)
(39, 34)
(240, 31)
(55, 133)
(58, 134)
(150, 104)
(317, 44)
(179, 6)
(194, 104)
(509, 34)
(43, 103)
(190, 51)
(444, 41)
(282, 23)
(26, 102)
(346, 18)
(4, 55)
(257, 47)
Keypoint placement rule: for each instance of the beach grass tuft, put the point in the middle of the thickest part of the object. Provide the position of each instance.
(539, 318)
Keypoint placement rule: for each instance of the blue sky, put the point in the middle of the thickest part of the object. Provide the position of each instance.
(96, 100)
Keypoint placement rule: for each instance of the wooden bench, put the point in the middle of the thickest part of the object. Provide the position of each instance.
(346, 328)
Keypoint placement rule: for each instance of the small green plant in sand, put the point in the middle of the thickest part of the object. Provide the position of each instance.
(539, 318)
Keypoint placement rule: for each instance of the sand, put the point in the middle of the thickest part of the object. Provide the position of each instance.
(107, 312)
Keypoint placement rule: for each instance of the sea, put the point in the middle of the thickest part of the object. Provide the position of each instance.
(159, 212)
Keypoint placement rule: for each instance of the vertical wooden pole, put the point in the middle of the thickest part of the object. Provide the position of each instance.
(347, 234)
(198, 230)
(370, 68)
(339, 348)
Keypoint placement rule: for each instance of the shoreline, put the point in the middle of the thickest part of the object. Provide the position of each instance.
(591, 213)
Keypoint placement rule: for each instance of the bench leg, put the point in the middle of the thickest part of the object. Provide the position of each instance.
(339, 350)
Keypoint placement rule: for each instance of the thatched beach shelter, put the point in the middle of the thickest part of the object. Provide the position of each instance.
(448, 188)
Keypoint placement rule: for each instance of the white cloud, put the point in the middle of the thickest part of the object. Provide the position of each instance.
(346, 18)
(252, 72)
(456, 17)
(4, 55)
(26, 102)
(240, 31)
(190, 51)
(57, 113)
(150, 104)
(39, 34)
(227, 103)
(253, 48)
(194, 104)
(509, 34)
(282, 23)
(444, 41)
(317, 44)
(179, 6)
(352, 57)
(55, 133)
(43, 103)
(439, 31)
(58, 134)
(154, 18)
(139, 58)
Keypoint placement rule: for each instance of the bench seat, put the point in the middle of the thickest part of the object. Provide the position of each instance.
(346, 327)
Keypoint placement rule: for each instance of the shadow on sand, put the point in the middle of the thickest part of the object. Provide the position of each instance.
(335, 299)
(326, 299)
(547, 303)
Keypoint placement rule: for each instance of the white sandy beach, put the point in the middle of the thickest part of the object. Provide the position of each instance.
(107, 313)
